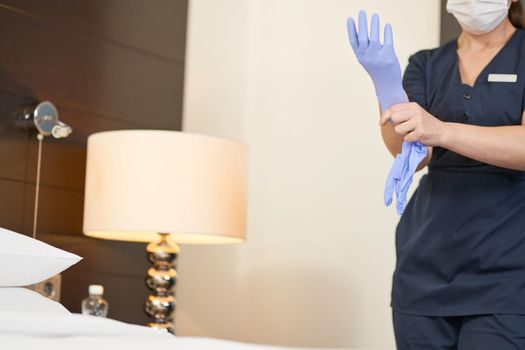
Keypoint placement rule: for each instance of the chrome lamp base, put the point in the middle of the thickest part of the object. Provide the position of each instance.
(161, 279)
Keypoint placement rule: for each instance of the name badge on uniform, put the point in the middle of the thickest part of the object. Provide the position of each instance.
(502, 78)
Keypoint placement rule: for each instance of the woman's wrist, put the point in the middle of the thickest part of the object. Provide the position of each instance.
(448, 132)
(389, 96)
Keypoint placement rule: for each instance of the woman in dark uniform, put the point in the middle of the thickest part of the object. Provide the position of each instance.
(459, 281)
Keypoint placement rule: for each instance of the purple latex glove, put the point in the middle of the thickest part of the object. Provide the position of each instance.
(379, 60)
(402, 172)
(381, 63)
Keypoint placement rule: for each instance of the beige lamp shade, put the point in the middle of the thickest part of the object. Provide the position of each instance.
(143, 182)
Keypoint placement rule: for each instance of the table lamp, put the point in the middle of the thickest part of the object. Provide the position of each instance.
(165, 188)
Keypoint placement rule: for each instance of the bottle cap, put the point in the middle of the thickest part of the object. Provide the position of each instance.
(96, 289)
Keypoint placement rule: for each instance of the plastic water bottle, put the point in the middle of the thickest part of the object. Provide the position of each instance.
(94, 304)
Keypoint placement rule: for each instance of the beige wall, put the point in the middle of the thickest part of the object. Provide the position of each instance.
(317, 266)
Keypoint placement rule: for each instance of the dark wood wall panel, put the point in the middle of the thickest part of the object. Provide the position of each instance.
(12, 195)
(13, 151)
(13, 140)
(155, 27)
(106, 65)
(63, 164)
(59, 210)
(93, 75)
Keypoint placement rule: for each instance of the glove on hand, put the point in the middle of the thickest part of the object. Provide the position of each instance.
(381, 63)
(379, 60)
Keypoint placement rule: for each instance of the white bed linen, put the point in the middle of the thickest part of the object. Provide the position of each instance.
(27, 261)
(51, 331)
(23, 300)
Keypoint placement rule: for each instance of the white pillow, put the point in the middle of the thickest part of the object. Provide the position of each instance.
(25, 300)
(25, 261)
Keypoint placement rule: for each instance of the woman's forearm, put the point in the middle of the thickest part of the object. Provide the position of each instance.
(391, 139)
(502, 146)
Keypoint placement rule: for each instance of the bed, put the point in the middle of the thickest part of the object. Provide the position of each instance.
(56, 331)
(29, 320)
(52, 331)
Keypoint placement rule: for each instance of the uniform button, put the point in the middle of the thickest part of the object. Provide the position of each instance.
(466, 95)
(466, 116)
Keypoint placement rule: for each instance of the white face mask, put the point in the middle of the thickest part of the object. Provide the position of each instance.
(479, 16)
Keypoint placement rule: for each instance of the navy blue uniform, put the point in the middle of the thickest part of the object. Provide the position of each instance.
(473, 332)
(460, 243)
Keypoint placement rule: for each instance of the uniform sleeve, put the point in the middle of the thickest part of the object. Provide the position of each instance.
(415, 79)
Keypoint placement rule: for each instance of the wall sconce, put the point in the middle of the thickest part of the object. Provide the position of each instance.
(45, 118)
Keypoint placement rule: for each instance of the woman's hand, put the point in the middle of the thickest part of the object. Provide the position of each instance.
(377, 58)
(414, 123)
